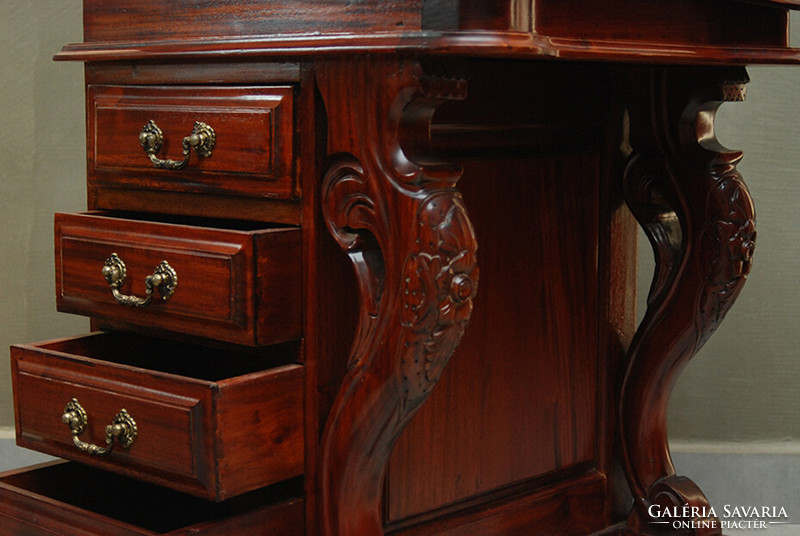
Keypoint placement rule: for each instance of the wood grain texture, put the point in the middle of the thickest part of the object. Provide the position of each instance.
(330, 306)
(476, 14)
(531, 349)
(497, 44)
(202, 434)
(696, 22)
(684, 31)
(66, 499)
(221, 293)
(525, 394)
(572, 506)
(249, 72)
(531, 421)
(130, 20)
(252, 154)
(685, 191)
(160, 203)
(413, 249)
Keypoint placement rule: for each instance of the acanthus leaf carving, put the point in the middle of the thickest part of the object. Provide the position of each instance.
(440, 280)
(728, 243)
(405, 229)
(683, 187)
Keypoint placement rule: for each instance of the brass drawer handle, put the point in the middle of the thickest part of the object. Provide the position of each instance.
(202, 139)
(122, 429)
(164, 278)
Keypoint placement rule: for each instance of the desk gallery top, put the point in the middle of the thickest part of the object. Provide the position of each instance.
(651, 31)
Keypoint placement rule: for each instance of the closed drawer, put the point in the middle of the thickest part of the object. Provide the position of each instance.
(241, 285)
(67, 499)
(252, 152)
(208, 422)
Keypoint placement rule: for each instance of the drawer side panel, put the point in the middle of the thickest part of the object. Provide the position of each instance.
(223, 291)
(279, 287)
(260, 429)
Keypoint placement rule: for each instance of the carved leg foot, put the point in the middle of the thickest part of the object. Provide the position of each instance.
(408, 236)
(684, 190)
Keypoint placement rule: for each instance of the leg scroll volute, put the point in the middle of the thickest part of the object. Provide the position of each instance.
(684, 190)
(414, 251)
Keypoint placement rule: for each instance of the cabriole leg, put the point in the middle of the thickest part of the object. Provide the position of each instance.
(684, 190)
(408, 236)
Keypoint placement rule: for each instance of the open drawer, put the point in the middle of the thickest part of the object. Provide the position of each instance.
(208, 422)
(226, 280)
(66, 499)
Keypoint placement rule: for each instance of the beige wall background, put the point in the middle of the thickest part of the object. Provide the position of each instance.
(744, 386)
(42, 168)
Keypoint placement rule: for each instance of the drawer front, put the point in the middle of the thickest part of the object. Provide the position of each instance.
(240, 286)
(251, 153)
(210, 438)
(67, 499)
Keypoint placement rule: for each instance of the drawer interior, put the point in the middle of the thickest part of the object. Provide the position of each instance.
(177, 358)
(143, 505)
(212, 421)
(230, 280)
(193, 221)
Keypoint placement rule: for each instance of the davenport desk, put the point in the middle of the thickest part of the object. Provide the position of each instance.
(361, 267)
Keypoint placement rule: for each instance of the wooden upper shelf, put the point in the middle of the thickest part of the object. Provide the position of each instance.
(686, 31)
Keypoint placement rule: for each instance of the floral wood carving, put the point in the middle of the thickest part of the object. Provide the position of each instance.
(439, 284)
(406, 230)
(684, 190)
(727, 243)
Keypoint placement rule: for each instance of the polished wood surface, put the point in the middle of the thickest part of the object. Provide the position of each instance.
(253, 149)
(679, 31)
(459, 209)
(468, 444)
(694, 22)
(54, 500)
(130, 20)
(205, 426)
(684, 189)
(233, 284)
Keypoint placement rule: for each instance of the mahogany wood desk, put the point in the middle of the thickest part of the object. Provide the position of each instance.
(392, 247)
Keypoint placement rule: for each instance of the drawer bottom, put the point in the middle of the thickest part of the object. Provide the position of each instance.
(68, 499)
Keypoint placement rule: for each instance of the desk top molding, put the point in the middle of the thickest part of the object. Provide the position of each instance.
(678, 31)
(511, 45)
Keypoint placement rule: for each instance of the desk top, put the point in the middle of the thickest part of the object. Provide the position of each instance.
(651, 31)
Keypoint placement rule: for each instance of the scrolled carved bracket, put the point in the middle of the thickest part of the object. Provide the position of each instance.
(350, 216)
(685, 191)
(347, 207)
(655, 206)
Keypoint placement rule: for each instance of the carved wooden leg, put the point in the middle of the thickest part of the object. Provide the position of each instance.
(684, 190)
(408, 236)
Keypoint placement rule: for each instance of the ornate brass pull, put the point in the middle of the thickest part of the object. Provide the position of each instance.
(122, 428)
(164, 278)
(202, 139)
